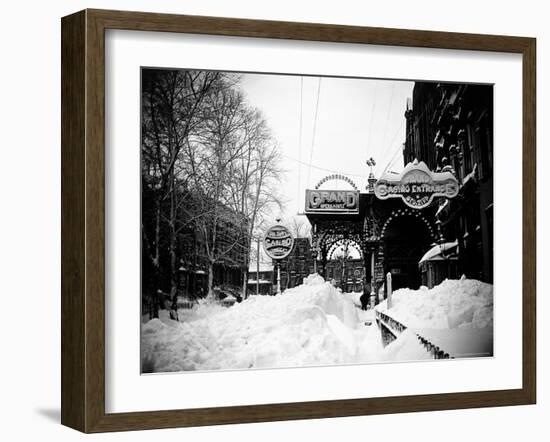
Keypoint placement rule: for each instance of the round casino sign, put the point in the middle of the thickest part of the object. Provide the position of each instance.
(278, 242)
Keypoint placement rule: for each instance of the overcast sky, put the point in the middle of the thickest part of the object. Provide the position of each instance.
(356, 119)
(344, 122)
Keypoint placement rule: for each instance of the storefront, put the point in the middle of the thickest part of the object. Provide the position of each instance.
(439, 263)
(392, 225)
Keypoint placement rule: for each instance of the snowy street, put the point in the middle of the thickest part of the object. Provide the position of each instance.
(314, 324)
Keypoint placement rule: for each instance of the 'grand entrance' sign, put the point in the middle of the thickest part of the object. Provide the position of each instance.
(339, 201)
(416, 185)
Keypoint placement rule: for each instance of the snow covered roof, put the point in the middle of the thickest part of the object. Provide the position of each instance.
(418, 165)
(437, 251)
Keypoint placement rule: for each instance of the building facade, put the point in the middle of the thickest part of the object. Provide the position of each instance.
(260, 282)
(450, 127)
(297, 265)
(231, 248)
(433, 220)
(231, 263)
(391, 237)
(346, 274)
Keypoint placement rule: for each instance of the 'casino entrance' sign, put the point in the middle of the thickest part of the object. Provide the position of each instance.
(278, 242)
(416, 185)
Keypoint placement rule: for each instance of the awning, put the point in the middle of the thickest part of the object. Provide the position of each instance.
(439, 252)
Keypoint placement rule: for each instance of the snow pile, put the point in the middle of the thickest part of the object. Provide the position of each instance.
(312, 324)
(355, 297)
(405, 348)
(204, 308)
(464, 303)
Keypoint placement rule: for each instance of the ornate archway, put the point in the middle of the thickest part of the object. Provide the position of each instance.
(343, 262)
(336, 177)
(344, 242)
(405, 236)
(406, 211)
(329, 235)
(388, 234)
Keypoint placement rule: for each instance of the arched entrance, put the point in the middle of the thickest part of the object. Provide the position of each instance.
(390, 236)
(343, 247)
(345, 265)
(406, 236)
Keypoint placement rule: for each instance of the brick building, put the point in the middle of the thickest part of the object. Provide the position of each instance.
(261, 282)
(348, 276)
(298, 265)
(450, 127)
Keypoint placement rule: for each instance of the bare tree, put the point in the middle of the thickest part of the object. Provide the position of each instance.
(299, 226)
(172, 109)
(209, 173)
(239, 179)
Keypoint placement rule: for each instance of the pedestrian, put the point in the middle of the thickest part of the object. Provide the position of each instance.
(365, 300)
(174, 307)
(365, 297)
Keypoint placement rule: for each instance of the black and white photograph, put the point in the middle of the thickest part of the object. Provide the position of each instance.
(261, 221)
(295, 221)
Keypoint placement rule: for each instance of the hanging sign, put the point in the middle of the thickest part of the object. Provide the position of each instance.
(417, 185)
(278, 242)
(332, 201)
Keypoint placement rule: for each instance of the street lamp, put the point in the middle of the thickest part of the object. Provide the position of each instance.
(371, 181)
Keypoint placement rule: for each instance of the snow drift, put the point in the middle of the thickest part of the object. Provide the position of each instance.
(312, 324)
(464, 303)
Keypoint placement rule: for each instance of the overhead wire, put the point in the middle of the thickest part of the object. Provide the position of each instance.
(310, 164)
(323, 169)
(314, 130)
(371, 120)
(300, 138)
(389, 112)
(400, 146)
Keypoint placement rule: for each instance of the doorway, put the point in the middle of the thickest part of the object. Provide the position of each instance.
(406, 240)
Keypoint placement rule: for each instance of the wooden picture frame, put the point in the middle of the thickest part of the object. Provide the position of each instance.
(83, 220)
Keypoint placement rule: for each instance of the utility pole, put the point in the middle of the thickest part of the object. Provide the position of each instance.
(372, 280)
(314, 247)
(258, 268)
(389, 288)
(314, 260)
(278, 277)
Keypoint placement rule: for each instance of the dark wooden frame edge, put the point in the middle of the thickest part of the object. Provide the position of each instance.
(83, 216)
